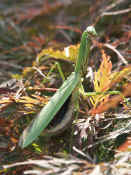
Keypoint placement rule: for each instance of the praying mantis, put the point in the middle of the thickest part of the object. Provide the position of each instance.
(67, 93)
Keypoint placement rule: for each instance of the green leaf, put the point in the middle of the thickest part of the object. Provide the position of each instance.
(48, 112)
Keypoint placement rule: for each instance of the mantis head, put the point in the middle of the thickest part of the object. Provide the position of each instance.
(91, 31)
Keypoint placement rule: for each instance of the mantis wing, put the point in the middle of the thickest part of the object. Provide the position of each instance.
(49, 111)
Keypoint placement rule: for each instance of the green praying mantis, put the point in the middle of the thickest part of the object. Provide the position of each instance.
(67, 93)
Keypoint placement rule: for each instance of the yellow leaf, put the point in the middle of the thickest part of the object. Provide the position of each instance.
(116, 77)
(27, 70)
(69, 53)
(28, 100)
(16, 76)
(102, 76)
(5, 100)
(102, 79)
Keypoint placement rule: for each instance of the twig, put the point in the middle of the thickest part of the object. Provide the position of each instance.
(119, 12)
(116, 51)
(43, 89)
(112, 135)
(113, 5)
(5, 63)
(82, 153)
(40, 72)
